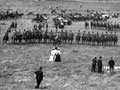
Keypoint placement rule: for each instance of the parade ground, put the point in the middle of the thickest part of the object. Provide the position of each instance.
(19, 62)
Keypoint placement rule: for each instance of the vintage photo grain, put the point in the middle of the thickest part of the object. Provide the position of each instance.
(60, 44)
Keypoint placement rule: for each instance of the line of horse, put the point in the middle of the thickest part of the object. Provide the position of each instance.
(8, 15)
(39, 36)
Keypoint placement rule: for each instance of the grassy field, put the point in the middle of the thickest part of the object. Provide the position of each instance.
(18, 62)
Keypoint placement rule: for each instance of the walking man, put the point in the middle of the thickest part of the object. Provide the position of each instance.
(39, 77)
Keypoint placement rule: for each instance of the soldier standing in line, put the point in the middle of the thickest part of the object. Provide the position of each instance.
(93, 38)
(84, 37)
(39, 77)
(97, 36)
(102, 39)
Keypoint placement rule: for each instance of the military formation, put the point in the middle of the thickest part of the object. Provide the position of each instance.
(104, 39)
(105, 25)
(37, 35)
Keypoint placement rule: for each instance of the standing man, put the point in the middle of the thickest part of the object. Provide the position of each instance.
(94, 63)
(39, 77)
(99, 64)
(111, 64)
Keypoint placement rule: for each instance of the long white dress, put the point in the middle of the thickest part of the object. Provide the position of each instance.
(52, 56)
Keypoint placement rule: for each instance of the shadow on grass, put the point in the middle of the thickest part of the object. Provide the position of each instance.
(44, 87)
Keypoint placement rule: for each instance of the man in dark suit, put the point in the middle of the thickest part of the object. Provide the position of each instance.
(94, 63)
(111, 64)
(99, 64)
(39, 77)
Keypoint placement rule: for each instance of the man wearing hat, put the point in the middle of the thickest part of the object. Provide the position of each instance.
(39, 77)
(99, 64)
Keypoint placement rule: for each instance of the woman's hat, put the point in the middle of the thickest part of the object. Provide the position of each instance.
(56, 47)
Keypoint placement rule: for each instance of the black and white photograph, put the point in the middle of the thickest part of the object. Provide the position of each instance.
(59, 44)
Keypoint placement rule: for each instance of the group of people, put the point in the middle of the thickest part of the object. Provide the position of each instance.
(104, 39)
(55, 55)
(105, 25)
(85, 38)
(97, 65)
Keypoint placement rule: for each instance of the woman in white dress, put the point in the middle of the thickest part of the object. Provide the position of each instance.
(52, 56)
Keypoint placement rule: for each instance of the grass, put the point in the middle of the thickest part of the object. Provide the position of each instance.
(18, 62)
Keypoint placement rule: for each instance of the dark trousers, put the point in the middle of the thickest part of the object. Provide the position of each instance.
(93, 68)
(99, 69)
(38, 83)
(111, 68)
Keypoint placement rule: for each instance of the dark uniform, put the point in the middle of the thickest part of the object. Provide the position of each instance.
(39, 77)
(99, 65)
(111, 64)
(94, 63)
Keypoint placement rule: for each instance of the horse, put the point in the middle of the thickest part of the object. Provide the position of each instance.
(5, 38)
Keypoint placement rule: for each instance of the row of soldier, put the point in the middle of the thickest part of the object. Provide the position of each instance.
(86, 38)
(103, 39)
(103, 25)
